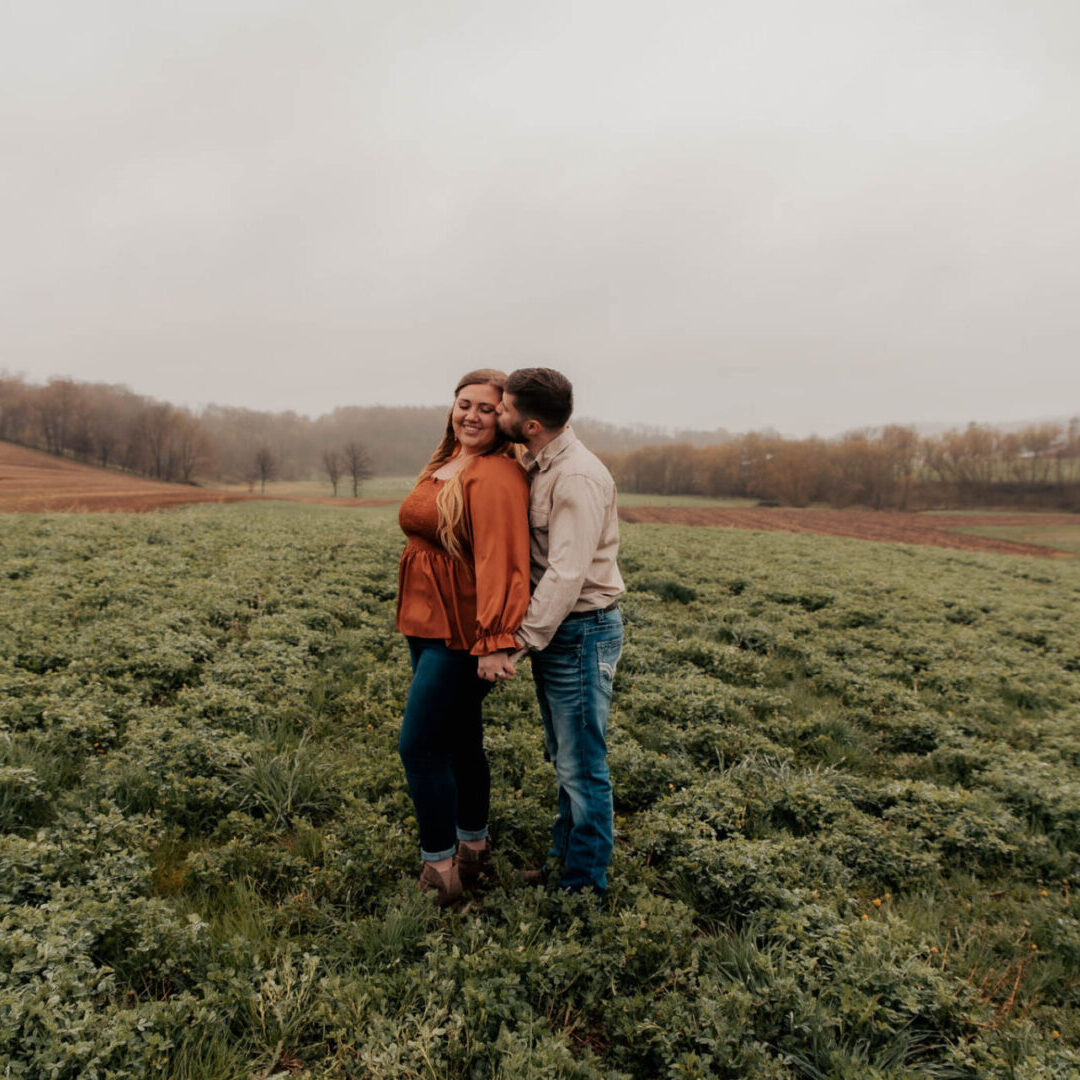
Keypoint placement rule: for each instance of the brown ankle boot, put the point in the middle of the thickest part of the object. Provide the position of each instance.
(473, 865)
(446, 885)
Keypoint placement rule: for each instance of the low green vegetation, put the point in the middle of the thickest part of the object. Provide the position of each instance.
(693, 502)
(1058, 537)
(847, 804)
(397, 487)
(375, 487)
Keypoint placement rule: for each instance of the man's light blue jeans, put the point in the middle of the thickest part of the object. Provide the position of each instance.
(574, 677)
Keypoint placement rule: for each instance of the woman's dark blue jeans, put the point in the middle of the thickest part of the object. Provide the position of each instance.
(442, 747)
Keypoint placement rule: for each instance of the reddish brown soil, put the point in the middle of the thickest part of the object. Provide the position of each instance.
(34, 482)
(889, 526)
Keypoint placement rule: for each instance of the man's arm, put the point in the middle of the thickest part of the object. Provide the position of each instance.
(576, 523)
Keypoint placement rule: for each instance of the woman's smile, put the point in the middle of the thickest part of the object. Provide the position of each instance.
(474, 419)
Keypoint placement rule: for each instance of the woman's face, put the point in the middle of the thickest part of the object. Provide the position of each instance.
(473, 417)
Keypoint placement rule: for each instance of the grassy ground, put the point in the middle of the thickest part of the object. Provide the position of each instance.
(1061, 537)
(378, 487)
(845, 785)
(634, 499)
(397, 487)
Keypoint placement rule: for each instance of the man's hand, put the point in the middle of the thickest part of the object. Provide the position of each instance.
(496, 667)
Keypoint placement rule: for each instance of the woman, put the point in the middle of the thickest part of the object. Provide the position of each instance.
(463, 587)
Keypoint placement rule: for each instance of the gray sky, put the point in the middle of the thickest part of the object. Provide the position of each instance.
(805, 215)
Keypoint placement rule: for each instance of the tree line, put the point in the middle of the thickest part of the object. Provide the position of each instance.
(890, 468)
(112, 427)
(893, 467)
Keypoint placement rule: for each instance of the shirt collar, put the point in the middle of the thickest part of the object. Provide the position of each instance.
(550, 451)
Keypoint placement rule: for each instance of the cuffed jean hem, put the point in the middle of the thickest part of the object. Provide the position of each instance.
(437, 856)
(473, 835)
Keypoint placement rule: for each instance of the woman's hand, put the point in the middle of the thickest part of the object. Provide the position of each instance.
(496, 666)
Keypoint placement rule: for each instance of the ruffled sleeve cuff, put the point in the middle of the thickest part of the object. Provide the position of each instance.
(486, 644)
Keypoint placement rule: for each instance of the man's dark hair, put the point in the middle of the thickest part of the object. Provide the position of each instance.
(542, 394)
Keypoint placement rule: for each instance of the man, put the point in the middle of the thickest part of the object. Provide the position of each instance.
(572, 629)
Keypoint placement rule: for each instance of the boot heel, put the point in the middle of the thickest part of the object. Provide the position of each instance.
(445, 885)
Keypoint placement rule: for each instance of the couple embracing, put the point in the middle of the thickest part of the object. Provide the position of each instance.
(509, 554)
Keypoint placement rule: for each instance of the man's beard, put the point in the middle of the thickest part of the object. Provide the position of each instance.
(514, 433)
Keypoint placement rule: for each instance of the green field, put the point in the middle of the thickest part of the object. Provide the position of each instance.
(1059, 537)
(848, 816)
(397, 487)
(693, 502)
(378, 487)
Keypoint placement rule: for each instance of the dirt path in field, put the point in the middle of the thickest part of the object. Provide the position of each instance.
(32, 482)
(889, 526)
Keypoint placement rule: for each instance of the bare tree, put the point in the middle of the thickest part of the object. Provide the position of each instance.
(55, 405)
(1069, 453)
(900, 445)
(157, 422)
(357, 464)
(718, 469)
(794, 471)
(15, 409)
(190, 445)
(1037, 445)
(105, 424)
(964, 459)
(332, 466)
(265, 467)
(80, 431)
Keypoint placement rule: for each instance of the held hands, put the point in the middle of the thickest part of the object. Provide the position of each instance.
(496, 667)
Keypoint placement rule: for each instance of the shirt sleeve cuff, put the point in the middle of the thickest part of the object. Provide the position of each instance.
(486, 644)
(532, 640)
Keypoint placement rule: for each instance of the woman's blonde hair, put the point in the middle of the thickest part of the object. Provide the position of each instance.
(450, 501)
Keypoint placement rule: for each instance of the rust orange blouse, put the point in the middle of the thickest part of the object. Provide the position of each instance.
(475, 604)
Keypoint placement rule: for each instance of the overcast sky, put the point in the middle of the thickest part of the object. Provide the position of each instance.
(806, 214)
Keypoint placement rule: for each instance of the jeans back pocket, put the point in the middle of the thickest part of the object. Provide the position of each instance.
(607, 660)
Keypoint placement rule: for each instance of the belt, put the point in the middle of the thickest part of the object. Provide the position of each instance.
(613, 606)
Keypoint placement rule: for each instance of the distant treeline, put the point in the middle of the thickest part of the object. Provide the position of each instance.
(890, 468)
(113, 427)
(893, 467)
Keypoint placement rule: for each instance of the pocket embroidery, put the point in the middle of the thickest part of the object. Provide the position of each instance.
(607, 658)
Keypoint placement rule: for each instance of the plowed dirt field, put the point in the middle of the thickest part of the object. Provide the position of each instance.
(34, 482)
(891, 527)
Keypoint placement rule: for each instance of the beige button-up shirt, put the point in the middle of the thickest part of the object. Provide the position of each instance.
(573, 536)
